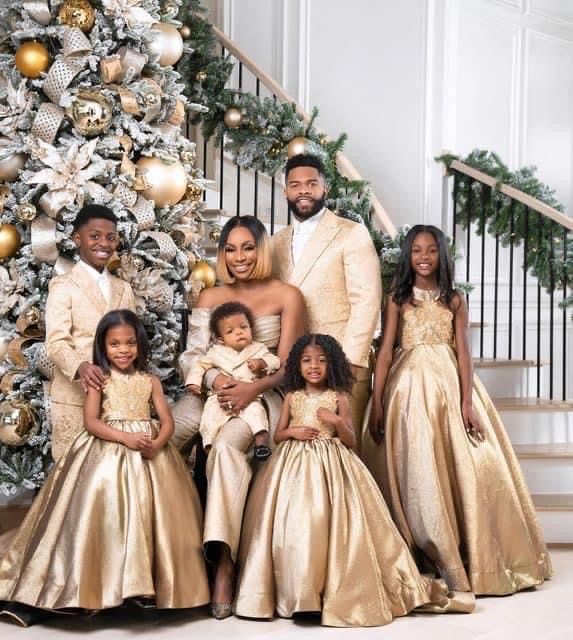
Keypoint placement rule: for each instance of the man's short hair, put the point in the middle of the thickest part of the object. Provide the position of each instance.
(305, 160)
(92, 212)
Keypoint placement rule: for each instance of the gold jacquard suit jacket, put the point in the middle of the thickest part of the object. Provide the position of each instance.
(339, 277)
(74, 307)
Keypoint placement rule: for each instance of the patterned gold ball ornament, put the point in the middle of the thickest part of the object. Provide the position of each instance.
(26, 212)
(233, 118)
(193, 192)
(11, 166)
(166, 181)
(166, 42)
(77, 13)
(17, 423)
(32, 59)
(90, 112)
(203, 272)
(9, 241)
(185, 32)
(296, 146)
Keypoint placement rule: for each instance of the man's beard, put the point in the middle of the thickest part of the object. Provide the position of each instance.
(305, 215)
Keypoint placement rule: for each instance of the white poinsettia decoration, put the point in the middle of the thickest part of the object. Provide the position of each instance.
(15, 106)
(71, 173)
(129, 11)
(10, 290)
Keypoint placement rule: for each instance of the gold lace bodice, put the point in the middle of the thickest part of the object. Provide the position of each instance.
(126, 397)
(427, 323)
(303, 408)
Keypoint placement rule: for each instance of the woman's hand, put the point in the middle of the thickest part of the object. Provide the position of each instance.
(236, 395)
(195, 389)
(150, 449)
(220, 381)
(471, 423)
(135, 441)
(303, 433)
(329, 417)
(376, 424)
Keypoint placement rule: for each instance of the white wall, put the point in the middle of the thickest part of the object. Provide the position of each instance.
(406, 79)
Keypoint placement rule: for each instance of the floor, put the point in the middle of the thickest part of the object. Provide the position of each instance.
(542, 614)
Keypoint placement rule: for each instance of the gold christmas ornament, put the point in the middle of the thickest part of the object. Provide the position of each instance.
(17, 423)
(26, 212)
(166, 43)
(201, 76)
(193, 192)
(90, 113)
(32, 59)
(296, 146)
(233, 118)
(114, 263)
(203, 272)
(214, 235)
(11, 166)
(9, 241)
(77, 13)
(30, 323)
(163, 182)
(185, 32)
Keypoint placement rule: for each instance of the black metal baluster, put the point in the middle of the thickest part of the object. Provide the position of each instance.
(484, 192)
(469, 233)
(496, 284)
(510, 318)
(240, 87)
(455, 197)
(564, 312)
(205, 151)
(524, 312)
(256, 178)
(273, 195)
(221, 156)
(551, 302)
(539, 238)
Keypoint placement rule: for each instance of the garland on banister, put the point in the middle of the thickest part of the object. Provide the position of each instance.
(549, 245)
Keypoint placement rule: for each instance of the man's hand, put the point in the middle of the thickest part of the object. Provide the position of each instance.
(91, 376)
(195, 389)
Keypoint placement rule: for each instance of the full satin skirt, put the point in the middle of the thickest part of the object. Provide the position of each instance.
(462, 505)
(317, 536)
(109, 525)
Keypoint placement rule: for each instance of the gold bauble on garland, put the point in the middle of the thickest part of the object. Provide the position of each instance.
(233, 118)
(26, 211)
(166, 42)
(185, 32)
(90, 112)
(193, 192)
(9, 241)
(32, 59)
(203, 272)
(17, 423)
(201, 76)
(77, 13)
(296, 146)
(11, 166)
(165, 182)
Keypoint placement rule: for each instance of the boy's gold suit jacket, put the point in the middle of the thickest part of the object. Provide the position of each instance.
(339, 277)
(74, 307)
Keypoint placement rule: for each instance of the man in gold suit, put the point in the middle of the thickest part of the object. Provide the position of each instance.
(76, 302)
(333, 262)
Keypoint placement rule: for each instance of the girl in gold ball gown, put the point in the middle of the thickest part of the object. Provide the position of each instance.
(445, 462)
(118, 517)
(317, 535)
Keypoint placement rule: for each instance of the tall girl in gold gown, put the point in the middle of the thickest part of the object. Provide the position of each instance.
(118, 517)
(452, 479)
(317, 535)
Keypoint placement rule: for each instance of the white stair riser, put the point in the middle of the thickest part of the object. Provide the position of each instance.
(557, 526)
(548, 475)
(509, 382)
(538, 427)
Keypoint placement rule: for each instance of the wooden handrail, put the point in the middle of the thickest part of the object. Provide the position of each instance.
(516, 194)
(346, 167)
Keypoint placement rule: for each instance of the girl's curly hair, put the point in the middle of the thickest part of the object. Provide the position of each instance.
(339, 372)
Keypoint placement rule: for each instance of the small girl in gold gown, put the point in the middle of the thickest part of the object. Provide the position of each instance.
(447, 467)
(317, 535)
(118, 517)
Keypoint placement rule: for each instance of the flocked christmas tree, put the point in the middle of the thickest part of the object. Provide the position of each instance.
(90, 111)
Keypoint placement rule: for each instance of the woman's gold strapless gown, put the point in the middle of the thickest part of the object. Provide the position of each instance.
(463, 504)
(108, 524)
(317, 536)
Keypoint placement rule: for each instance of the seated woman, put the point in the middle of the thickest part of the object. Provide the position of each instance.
(244, 267)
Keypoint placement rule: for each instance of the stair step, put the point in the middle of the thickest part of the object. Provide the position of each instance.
(532, 404)
(553, 501)
(558, 450)
(486, 363)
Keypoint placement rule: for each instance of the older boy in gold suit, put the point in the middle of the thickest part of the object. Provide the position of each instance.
(333, 262)
(76, 302)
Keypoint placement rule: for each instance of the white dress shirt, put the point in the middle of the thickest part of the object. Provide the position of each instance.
(301, 233)
(101, 279)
